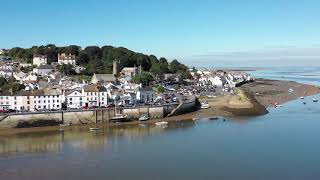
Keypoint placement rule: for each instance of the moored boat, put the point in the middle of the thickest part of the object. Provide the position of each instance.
(119, 118)
(161, 123)
(95, 129)
(143, 118)
(315, 100)
(213, 118)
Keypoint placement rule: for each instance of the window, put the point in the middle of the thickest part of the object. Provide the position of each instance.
(102, 98)
(44, 107)
(70, 99)
(58, 106)
(34, 97)
(102, 94)
(34, 101)
(15, 103)
(15, 98)
(44, 101)
(39, 107)
(28, 102)
(70, 103)
(57, 100)
(28, 97)
(38, 96)
(48, 101)
(39, 101)
(53, 101)
(80, 98)
(1, 97)
(7, 97)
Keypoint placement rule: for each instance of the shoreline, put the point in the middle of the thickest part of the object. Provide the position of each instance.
(252, 100)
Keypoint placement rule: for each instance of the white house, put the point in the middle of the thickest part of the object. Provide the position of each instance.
(46, 99)
(216, 81)
(74, 99)
(94, 95)
(145, 94)
(39, 60)
(43, 69)
(66, 59)
(5, 99)
(6, 73)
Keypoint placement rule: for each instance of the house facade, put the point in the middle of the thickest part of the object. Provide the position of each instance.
(39, 60)
(145, 94)
(66, 59)
(94, 95)
(74, 99)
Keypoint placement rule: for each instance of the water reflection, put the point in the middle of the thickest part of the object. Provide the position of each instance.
(80, 138)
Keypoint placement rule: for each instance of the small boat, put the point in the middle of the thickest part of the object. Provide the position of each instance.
(161, 123)
(95, 129)
(301, 97)
(278, 105)
(213, 118)
(304, 103)
(119, 118)
(315, 100)
(195, 119)
(205, 105)
(143, 118)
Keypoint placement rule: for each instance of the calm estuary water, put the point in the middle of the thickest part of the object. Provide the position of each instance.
(283, 144)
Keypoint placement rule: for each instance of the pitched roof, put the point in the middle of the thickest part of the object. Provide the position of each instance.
(94, 88)
(105, 77)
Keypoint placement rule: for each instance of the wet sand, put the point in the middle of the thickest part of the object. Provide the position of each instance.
(270, 92)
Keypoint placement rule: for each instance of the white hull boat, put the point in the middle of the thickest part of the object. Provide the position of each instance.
(95, 129)
(143, 118)
(205, 106)
(161, 123)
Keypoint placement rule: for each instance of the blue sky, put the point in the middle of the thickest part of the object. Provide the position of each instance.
(251, 31)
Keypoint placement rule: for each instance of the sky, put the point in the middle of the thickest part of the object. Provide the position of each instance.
(197, 32)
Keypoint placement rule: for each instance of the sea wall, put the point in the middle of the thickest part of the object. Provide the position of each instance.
(89, 116)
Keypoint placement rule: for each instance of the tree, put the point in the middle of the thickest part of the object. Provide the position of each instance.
(174, 66)
(161, 89)
(67, 69)
(3, 81)
(144, 78)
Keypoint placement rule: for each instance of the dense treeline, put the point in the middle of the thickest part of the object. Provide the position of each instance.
(99, 59)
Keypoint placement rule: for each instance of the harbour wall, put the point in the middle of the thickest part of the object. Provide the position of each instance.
(38, 119)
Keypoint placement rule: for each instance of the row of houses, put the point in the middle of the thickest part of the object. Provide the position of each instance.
(87, 96)
(62, 59)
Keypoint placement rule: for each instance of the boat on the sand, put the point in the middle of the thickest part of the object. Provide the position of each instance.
(119, 118)
(143, 118)
(205, 105)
